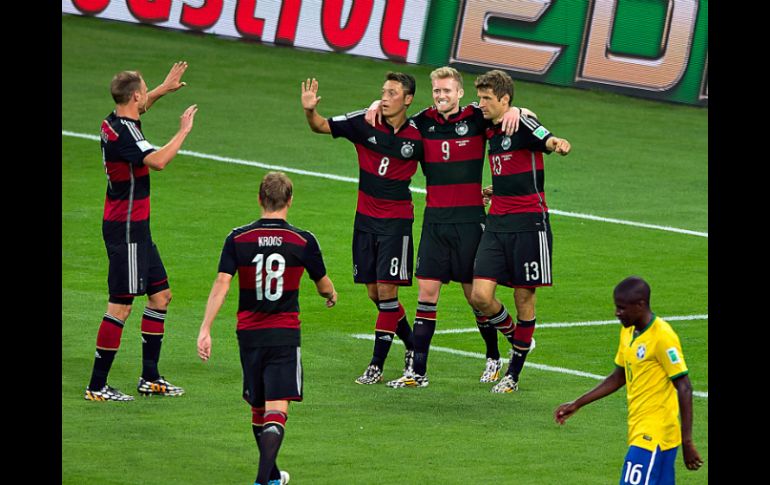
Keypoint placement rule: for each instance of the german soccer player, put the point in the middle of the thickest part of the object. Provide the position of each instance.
(135, 267)
(650, 363)
(515, 249)
(382, 232)
(454, 144)
(269, 256)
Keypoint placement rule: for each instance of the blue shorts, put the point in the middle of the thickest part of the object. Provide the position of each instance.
(644, 467)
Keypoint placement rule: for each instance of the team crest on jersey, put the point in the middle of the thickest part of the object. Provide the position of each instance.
(461, 128)
(407, 149)
(641, 351)
(506, 143)
(431, 129)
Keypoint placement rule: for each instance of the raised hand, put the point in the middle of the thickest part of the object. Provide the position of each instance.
(309, 94)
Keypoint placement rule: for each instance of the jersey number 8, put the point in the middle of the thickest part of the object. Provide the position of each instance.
(266, 288)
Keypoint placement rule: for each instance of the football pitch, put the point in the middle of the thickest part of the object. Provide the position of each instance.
(631, 198)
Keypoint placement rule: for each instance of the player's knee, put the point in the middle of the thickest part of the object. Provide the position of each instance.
(160, 300)
(480, 300)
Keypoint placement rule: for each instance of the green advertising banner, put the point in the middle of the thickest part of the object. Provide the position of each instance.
(649, 48)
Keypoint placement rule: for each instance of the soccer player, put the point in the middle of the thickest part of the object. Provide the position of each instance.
(135, 264)
(515, 249)
(650, 362)
(382, 232)
(454, 143)
(269, 256)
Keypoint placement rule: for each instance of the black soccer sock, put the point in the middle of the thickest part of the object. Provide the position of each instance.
(489, 334)
(257, 423)
(521, 343)
(152, 338)
(107, 344)
(387, 323)
(404, 331)
(270, 442)
(424, 327)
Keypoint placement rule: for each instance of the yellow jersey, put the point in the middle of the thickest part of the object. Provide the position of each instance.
(652, 359)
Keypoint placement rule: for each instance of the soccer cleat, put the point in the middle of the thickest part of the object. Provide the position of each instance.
(506, 384)
(409, 380)
(159, 387)
(409, 362)
(492, 370)
(372, 375)
(106, 393)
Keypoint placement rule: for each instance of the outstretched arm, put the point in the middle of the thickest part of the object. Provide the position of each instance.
(326, 289)
(159, 159)
(172, 82)
(692, 459)
(216, 299)
(610, 384)
(310, 101)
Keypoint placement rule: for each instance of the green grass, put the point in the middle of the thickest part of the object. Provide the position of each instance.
(632, 159)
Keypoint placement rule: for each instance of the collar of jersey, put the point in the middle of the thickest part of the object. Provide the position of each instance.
(634, 337)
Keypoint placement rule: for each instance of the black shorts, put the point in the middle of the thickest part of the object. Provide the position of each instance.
(271, 374)
(447, 251)
(515, 259)
(381, 258)
(135, 269)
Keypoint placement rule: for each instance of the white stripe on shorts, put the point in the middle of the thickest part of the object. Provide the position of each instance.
(545, 263)
(649, 467)
(404, 246)
(299, 371)
(133, 270)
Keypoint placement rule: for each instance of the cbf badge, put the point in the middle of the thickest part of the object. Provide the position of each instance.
(407, 149)
(506, 142)
(461, 128)
(641, 351)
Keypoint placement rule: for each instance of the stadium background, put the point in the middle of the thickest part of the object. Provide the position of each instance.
(634, 160)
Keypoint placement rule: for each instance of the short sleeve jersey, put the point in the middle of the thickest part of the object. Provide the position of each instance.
(270, 256)
(386, 163)
(127, 203)
(651, 360)
(453, 164)
(518, 177)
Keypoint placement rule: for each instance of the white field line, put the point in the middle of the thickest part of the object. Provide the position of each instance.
(418, 190)
(577, 324)
(547, 368)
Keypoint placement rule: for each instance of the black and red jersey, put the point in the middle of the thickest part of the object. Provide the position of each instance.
(386, 163)
(127, 204)
(518, 177)
(270, 256)
(453, 164)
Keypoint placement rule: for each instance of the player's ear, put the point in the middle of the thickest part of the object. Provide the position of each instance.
(288, 203)
(460, 93)
(408, 99)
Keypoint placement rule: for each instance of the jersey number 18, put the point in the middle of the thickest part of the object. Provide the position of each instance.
(264, 287)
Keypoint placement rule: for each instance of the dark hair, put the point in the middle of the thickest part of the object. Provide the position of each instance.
(275, 191)
(124, 84)
(406, 80)
(498, 81)
(633, 289)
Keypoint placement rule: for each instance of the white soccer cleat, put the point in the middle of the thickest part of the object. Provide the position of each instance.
(506, 384)
(492, 370)
(409, 380)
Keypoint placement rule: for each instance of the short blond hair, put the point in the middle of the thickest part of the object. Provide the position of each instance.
(275, 191)
(124, 84)
(447, 72)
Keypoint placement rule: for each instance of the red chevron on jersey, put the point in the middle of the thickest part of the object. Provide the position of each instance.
(457, 195)
(517, 204)
(118, 210)
(248, 320)
(107, 133)
(514, 162)
(268, 236)
(382, 208)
